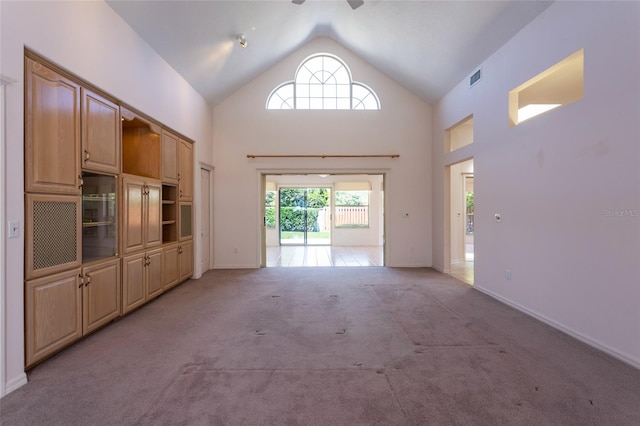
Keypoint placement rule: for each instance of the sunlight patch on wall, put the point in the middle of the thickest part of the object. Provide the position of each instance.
(558, 85)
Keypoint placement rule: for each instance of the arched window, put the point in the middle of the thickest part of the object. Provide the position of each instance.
(323, 81)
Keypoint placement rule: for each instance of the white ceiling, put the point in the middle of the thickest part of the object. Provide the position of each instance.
(426, 46)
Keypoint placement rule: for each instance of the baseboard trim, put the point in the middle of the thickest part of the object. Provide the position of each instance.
(576, 335)
(15, 383)
(236, 267)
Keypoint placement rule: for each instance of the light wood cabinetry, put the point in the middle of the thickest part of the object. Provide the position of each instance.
(53, 312)
(185, 170)
(169, 214)
(185, 252)
(170, 266)
(100, 133)
(169, 157)
(104, 185)
(141, 145)
(101, 294)
(186, 221)
(52, 234)
(141, 214)
(177, 261)
(141, 278)
(61, 308)
(52, 131)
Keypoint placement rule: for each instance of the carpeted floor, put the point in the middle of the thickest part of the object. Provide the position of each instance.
(327, 346)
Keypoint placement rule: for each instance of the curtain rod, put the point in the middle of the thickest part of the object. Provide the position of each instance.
(324, 156)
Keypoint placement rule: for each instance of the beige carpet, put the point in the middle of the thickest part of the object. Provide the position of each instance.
(327, 346)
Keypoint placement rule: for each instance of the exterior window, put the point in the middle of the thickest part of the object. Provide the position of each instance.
(352, 209)
(270, 208)
(281, 97)
(323, 81)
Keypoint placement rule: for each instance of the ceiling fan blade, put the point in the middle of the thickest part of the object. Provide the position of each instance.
(297, 1)
(355, 3)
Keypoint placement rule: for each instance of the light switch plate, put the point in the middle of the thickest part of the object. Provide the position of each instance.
(14, 228)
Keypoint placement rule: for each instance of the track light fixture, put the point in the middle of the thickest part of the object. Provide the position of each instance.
(242, 39)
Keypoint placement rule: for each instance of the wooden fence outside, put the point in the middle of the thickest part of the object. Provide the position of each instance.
(352, 216)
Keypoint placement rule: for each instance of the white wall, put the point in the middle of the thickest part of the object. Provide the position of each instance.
(242, 126)
(560, 179)
(90, 40)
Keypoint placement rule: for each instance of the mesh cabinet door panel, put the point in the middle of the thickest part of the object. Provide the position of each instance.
(53, 237)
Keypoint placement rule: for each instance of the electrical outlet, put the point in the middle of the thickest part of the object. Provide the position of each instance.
(507, 274)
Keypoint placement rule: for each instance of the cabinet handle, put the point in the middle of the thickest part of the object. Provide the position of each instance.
(178, 177)
(80, 181)
(180, 250)
(181, 193)
(81, 280)
(86, 155)
(88, 279)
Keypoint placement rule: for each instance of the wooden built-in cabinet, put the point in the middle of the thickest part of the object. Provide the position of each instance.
(108, 209)
(53, 312)
(100, 133)
(169, 214)
(101, 294)
(177, 261)
(177, 164)
(53, 234)
(185, 257)
(141, 278)
(169, 157)
(141, 214)
(63, 307)
(186, 221)
(185, 170)
(141, 145)
(170, 266)
(52, 131)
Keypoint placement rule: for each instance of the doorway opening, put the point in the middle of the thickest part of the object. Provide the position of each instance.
(461, 207)
(205, 212)
(322, 219)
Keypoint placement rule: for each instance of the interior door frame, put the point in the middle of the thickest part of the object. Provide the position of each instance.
(261, 179)
(197, 213)
(448, 194)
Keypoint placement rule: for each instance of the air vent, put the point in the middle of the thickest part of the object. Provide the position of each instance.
(475, 77)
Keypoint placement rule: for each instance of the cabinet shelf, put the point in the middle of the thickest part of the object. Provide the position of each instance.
(95, 224)
(169, 214)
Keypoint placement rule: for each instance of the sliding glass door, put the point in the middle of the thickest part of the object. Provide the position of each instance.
(305, 216)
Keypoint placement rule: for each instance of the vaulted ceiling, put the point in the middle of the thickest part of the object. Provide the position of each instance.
(426, 46)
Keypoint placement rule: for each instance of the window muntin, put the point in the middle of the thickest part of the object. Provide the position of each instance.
(323, 81)
(281, 97)
(363, 97)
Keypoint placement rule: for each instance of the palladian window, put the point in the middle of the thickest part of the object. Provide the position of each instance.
(323, 81)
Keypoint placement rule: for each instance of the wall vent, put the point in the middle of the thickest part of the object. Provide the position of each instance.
(475, 77)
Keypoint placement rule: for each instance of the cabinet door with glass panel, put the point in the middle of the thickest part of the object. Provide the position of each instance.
(99, 217)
